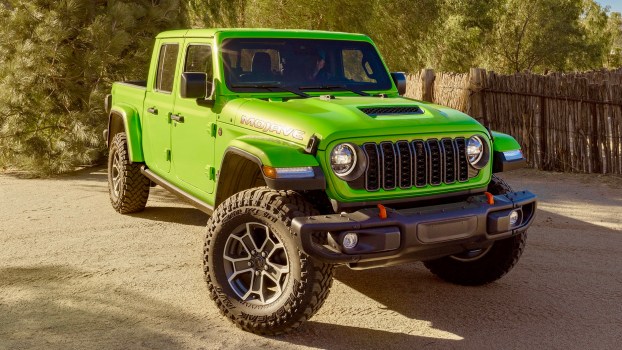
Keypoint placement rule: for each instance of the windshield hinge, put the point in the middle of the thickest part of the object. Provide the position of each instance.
(313, 144)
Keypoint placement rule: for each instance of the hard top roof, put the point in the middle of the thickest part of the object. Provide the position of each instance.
(260, 33)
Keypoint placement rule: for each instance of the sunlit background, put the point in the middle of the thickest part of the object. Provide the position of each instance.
(614, 5)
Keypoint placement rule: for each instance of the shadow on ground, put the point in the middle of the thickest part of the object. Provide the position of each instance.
(178, 215)
(52, 309)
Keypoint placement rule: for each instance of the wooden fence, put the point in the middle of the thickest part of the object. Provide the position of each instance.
(566, 122)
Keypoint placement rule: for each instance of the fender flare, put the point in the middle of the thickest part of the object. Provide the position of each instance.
(278, 154)
(130, 120)
(503, 142)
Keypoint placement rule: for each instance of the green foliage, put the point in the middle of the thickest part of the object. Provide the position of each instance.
(214, 13)
(614, 28)
(461, 32)
(537, 34)
(596, 38)
(59, 61)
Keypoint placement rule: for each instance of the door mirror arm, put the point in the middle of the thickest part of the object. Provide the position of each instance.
(208, 100)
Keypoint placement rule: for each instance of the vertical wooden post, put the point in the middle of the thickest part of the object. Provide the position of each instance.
(477, 78)
(608, 114)
(537, 131)
(427, 76)
(544, 157)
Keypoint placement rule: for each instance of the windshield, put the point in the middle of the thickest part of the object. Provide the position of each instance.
(302, 64)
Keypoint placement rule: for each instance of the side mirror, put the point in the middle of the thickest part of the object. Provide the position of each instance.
(195, 85)
(399, 78)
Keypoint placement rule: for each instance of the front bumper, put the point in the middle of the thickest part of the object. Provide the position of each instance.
(414, 234)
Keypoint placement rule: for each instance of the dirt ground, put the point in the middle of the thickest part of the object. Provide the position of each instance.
(74, 274)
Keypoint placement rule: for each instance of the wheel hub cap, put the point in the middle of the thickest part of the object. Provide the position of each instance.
(256, 264)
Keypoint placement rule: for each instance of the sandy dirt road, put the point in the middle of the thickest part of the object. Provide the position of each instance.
(74, 274)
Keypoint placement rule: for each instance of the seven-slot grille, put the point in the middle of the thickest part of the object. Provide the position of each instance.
(416, 163)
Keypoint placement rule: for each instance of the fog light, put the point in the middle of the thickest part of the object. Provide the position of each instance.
(350, 240)
(514, 216)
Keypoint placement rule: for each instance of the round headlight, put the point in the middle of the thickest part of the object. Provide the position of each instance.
(475, 150)
(343, 159)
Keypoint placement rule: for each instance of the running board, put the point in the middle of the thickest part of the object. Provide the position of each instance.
(194, 201)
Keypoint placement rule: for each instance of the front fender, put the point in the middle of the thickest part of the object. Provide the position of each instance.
(273, 152)
(504, 142)
(130, 120)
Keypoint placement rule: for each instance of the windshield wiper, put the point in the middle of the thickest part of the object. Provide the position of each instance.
(271, 87)
(333, 87)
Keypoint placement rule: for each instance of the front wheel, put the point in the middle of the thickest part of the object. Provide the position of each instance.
(255, 272)
(485, 265)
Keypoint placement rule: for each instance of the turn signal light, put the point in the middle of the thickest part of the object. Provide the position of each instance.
(270, 172)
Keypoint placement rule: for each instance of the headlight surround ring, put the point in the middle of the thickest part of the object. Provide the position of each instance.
(477, 152)
(354, 168)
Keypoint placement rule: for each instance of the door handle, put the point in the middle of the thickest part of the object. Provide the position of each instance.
(152, 110)
(178, 118)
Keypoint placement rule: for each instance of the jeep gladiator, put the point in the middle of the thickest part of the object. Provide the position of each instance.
(305, 154)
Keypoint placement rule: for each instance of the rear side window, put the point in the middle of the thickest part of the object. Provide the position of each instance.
(199, 60)
(166, 67)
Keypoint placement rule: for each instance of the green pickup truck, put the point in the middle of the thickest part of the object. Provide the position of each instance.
(301, 148)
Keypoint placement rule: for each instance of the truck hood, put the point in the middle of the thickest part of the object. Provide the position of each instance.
(347, 117)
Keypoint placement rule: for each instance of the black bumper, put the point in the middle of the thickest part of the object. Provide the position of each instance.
(414, 234)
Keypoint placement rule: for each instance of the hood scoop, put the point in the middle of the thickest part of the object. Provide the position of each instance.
(388, 110)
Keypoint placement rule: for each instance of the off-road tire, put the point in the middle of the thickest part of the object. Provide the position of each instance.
(493, 264)
(308, 283)
(132, 188)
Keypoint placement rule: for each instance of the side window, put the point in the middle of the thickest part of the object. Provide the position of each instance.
(199, 60)
(166, 67)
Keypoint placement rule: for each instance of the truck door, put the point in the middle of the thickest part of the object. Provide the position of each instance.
(194, 130)
(158, 105)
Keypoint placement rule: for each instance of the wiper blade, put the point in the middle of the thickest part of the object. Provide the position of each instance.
(271, 87)
(333, 87)
(257, 86)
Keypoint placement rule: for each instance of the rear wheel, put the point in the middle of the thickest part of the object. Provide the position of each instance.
(485, 265)
(127, 186)
(254, 270)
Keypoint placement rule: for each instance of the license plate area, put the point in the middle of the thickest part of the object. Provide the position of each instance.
(449, 230)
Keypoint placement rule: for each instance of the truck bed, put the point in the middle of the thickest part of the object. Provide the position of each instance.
(142, 83)
(130, 93)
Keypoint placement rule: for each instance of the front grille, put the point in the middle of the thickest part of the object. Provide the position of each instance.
(418, 163)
